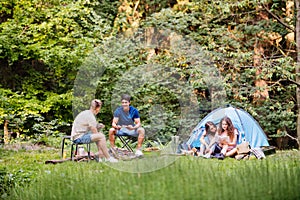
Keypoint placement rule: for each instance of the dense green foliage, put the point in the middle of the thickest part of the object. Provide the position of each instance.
(42, 45)
(228, 31)
(57, 55)
(276, 177)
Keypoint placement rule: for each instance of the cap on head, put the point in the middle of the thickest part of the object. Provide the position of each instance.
(125, 97)
(96, 103)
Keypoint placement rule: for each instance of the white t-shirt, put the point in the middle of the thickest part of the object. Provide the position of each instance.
(82, 123)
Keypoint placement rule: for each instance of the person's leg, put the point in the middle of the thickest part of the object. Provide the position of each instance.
(224, 149)
(99, 154)
(111, 134)
(141, 132)
(217, 149)
(202, 150)
(210, 151)
(100, 141)
(231, 152)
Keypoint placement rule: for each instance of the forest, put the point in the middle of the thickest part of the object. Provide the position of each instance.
(178, 59)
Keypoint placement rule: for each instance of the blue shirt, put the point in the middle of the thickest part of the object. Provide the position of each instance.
(126, 118)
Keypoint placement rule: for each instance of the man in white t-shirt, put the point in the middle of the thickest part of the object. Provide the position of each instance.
(85, 130)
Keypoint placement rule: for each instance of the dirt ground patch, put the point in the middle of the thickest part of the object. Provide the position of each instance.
(26, 146)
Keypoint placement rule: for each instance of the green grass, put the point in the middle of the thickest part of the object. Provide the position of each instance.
(166, 177)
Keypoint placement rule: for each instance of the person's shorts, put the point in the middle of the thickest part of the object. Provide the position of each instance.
(126, 132)
(217, 149)
(85, 139)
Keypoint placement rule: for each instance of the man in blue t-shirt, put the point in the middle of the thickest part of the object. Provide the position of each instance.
(127, 121)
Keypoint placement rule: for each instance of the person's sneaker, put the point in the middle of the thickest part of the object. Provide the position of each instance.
(206, 156)
(139, 153)
(114, 152)
(100, 160)
(97, 159)
(112, 160)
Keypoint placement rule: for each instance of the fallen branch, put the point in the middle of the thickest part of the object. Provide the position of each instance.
(77, 158)
(297, 140)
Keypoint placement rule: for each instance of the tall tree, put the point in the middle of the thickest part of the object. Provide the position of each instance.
(298, 66)
(262, 93)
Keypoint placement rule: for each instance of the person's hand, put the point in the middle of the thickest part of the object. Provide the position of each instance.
(100, 126)
(118, 127)
(130, 127)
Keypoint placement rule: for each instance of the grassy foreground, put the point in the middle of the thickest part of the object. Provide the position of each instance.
(276, 177)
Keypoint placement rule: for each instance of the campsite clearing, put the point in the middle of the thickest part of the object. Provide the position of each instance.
(276, 177)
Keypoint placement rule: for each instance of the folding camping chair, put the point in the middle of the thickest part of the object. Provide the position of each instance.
(74, 153)
(126, 141)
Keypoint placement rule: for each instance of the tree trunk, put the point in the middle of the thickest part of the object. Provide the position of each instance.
(262, 92)
(298, 65)
(6, 133)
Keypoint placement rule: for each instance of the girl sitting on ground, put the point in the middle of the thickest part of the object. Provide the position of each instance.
(226, 147)
(207, 139)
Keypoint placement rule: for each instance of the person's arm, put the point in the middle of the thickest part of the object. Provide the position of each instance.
(93, 129)
(233, 142)
(100, 126)
(212, 142)
(115, 122)
(218, 141)
(202, 140)
(92, 123)
(137, 124)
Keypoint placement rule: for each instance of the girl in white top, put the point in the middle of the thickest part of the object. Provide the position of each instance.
(207, 139)
(226, 128)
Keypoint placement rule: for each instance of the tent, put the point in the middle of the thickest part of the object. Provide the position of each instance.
(246, 125)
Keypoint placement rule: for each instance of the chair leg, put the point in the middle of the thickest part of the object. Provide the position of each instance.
(63, 144)
(72, 151)
(125, 143)
(62, 147)
(88, 146)
(76, 149)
